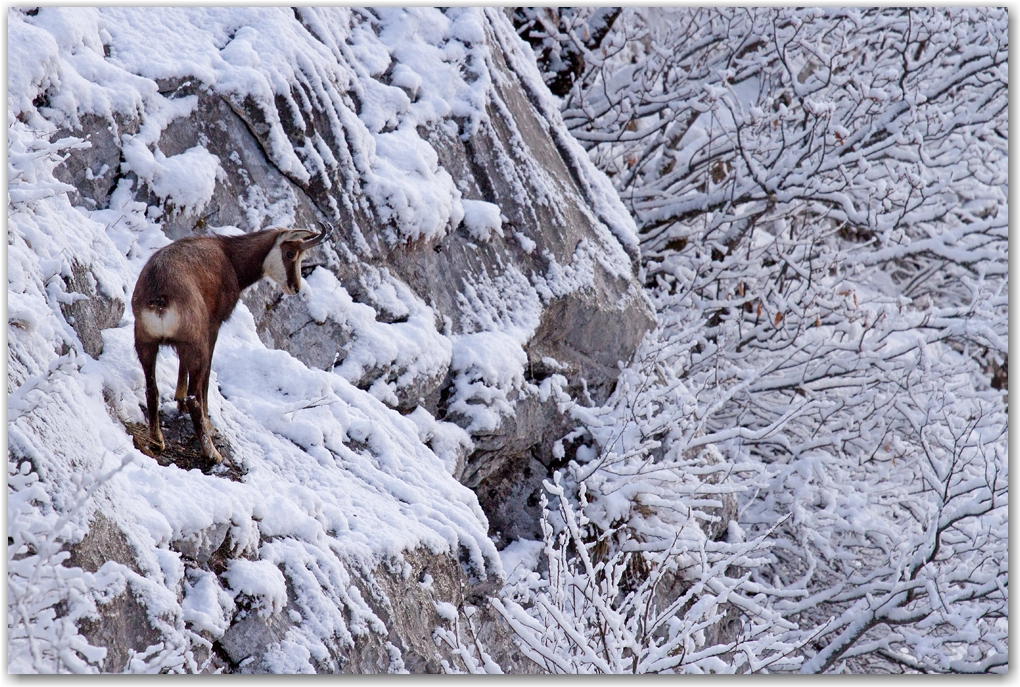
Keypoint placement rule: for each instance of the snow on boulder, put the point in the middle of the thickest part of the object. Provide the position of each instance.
(186, 180)
(482, 219)
(261, 581)
(347, 413)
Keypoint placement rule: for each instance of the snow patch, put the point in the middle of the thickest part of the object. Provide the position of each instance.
(187, 180)
(206, 606)
(482, 219)
(259, 580)
(446, 611)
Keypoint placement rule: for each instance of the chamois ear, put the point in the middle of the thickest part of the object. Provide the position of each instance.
(295, 235)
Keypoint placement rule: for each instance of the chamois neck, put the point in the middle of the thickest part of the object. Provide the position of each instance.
(247, 253)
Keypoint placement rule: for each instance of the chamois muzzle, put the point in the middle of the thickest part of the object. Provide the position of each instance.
(316, 240)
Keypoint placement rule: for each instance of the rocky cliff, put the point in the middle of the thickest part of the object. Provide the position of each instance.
(387, 430)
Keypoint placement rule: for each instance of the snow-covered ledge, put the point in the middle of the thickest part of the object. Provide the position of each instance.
(484, 273)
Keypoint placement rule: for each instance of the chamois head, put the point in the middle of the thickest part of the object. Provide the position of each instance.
(283, 262)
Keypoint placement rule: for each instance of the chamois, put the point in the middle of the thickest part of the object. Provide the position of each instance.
(187, 290)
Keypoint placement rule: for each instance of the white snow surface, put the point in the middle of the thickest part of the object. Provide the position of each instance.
(334, 479)
(260, 580)
(411, 349)
(187, 180)
(482, 219)
(206, 606)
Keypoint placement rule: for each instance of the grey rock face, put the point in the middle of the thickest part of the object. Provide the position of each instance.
(123, 624)
(94, 171)
(586, 314)
(91, 311)
(247, 637)
(284, 323)
(404, 594)
(406, 597)
(509, 494)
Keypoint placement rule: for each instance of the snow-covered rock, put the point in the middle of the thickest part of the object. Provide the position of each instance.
(478, 253)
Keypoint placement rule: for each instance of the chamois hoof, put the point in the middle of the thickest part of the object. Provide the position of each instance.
(156, 443)
(210, 452)
(182, 407)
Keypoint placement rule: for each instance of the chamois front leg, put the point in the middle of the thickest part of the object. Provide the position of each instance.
(147, 355)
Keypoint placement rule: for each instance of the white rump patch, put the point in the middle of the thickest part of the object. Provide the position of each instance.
(163, 326)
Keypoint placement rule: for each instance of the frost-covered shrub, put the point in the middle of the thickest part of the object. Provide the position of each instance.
(601, 608)
(643, 567)
(44, 598)
(821, 201)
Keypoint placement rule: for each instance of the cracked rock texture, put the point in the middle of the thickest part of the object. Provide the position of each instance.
(557, 254)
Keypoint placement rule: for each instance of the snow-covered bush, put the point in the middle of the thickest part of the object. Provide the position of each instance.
(821, 201)
(633, 609)
(44, 598)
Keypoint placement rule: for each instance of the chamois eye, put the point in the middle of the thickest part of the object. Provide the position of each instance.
(291, 254)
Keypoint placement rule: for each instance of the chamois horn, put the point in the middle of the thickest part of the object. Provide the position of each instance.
(316, 240)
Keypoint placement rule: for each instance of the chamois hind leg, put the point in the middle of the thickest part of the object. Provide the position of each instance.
(147, 353)
(205, 382)
(182, 386)
(198, 365)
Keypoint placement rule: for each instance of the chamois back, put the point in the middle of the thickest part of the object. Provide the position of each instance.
(185, 292)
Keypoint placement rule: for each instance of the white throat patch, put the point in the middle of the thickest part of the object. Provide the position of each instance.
(273, 268)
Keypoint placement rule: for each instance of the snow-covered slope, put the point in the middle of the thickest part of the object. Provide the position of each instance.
(347, 115)
(331, 476)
